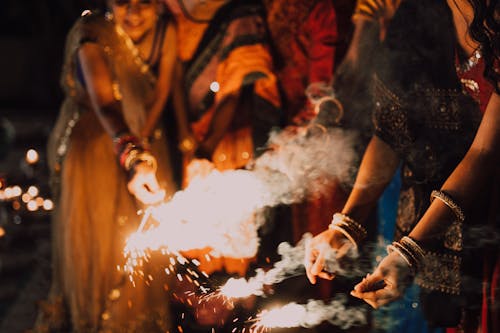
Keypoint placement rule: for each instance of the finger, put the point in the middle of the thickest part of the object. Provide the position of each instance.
(147, 197)
(326, 275)
(310, 275)
(370, 282)
(319, 263)
(309, 258)
(379, 297)
(308, 265)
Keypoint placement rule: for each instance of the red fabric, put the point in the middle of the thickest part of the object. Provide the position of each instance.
(308, 55)
(485, 87)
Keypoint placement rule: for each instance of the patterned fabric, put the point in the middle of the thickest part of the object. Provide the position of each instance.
(95, 213)
(422, 113)
(304, 34)
(231, 52)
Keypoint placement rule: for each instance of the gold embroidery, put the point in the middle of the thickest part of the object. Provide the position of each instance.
(440, 272)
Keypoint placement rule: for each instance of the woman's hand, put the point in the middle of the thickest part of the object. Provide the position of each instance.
(387, 283)
(144, 185)
(317, 251)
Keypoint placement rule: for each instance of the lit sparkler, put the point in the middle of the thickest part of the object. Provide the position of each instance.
(309, 315)
(221, 211)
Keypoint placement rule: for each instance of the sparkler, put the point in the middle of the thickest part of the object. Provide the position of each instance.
(221, 211)
(309, 315)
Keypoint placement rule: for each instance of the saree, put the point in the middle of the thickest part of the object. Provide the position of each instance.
(94, 211)
(424, 115)
(228, 55)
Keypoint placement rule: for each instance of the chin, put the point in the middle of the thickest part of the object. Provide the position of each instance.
(136, 37)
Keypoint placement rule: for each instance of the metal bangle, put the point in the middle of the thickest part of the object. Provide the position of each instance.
(448, 201)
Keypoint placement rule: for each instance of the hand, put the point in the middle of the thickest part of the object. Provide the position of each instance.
(386, 284)
(144, 186)
(317, 250)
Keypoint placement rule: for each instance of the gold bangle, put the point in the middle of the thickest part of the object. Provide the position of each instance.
(139, 157)
(414, 248)
(448, 201)
(348, 227)
(352, 225)
(131, 157)
(393, 248)
(335, 101)
(345, 233)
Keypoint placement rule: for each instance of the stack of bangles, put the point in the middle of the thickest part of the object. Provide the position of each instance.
(130, 152)
(410, 251)
(351, 229)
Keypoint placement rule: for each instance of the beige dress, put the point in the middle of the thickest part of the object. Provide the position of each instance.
(94, 210)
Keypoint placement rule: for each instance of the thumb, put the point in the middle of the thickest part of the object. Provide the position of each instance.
(371, 282)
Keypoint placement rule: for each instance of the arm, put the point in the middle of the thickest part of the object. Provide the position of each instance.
(97, 75)
(108, 109)
(164, 82)
(473, 173)
(470, 176)
(221, 120)
(376, 171)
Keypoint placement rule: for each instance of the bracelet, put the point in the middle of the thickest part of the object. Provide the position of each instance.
(334, 100)
(137, 157)
(353, 231)
(410, 251)
(448, 201)
(123, 141)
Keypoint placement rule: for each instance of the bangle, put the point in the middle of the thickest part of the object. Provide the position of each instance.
(331, 99)
(123, 141)
(136, 157)
(448, 201)
(353, 231)
(410, 251)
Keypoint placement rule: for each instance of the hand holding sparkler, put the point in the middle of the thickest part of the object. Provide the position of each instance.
(144, 185)
(387, 283)
(319, 248)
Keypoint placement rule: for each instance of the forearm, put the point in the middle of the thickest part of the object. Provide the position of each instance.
(376, 170)
(471, 177)
(221, 121)
(179, 102)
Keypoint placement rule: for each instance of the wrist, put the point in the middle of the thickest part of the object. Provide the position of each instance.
(347, 226)
(411, 253)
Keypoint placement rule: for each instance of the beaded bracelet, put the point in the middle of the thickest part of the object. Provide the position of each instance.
(352, 230)
(448, 201)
